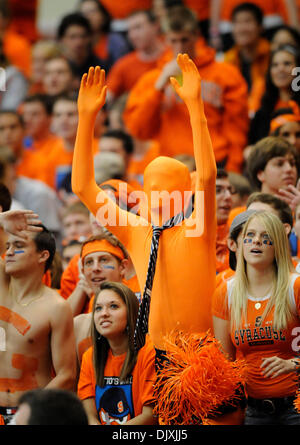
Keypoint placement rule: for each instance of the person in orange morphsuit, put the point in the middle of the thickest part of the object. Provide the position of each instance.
(186, 252)
(161, 174)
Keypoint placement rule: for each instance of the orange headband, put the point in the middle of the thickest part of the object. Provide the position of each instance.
(101, 246)
(283, 119)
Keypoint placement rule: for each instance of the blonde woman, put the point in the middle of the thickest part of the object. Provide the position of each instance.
(256, 314)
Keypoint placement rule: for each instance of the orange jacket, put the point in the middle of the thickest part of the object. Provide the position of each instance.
(258, 70)
(162, 116)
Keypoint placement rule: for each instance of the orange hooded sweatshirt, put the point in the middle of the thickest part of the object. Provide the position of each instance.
(162, 116)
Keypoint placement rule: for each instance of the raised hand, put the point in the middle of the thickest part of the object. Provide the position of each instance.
(18, 222)
(190, 90)
(92, 92)
(291, 195)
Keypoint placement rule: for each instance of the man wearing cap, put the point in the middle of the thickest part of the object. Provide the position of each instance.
(102, 258)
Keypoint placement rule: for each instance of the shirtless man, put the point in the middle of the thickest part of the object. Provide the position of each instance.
(36, 326)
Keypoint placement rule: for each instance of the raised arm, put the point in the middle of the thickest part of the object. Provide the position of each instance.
(190, 93)
(90, 100)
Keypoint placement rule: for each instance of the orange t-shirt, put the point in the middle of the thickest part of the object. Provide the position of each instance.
(120, 10)
(34, 160)
(59, 162)
(126, 71)
(119, 401)
(45, 145)
(257, 341)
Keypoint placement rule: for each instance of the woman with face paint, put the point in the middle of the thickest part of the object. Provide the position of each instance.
(256, 314)
(116, 382)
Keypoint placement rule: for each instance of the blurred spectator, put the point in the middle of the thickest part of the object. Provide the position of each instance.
(286, 123)
(69, 250)
(250, 52)
(64, 125)
(278, 90)
(75, 35)
(275, 13)
(224, 192)
(58, 76)
(76, 221)
(241, 189)
(109, 46)
(41, 51)
(50, 407)
(108, 165)
(120, 142)
(31, 194)
(13, 84)
(154, 112)
(36, 111)
(144, 36)
(273, 164)
(285, 35)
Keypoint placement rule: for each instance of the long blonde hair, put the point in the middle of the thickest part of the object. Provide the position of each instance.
(283, 267)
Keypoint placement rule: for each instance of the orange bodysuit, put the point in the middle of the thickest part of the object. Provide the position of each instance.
(185, 271)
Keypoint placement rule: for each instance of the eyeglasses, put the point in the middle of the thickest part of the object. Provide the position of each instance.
(222, 190)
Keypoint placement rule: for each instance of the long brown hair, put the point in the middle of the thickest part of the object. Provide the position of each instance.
(100, 343)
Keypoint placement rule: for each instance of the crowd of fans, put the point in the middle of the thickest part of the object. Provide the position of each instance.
(248, 57)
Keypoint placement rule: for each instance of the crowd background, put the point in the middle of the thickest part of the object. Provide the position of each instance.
(248, 57)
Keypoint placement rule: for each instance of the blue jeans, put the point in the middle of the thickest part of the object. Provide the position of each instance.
(287, 416)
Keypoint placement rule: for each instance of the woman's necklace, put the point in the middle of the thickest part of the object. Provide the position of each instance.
(258, 303)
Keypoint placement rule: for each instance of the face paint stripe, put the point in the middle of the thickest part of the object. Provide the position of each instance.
(268, 242)
(19, 251)
(15, 319)
(28, 366)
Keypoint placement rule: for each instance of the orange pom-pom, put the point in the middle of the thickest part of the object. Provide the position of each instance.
(297, 401)
(195, 380)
